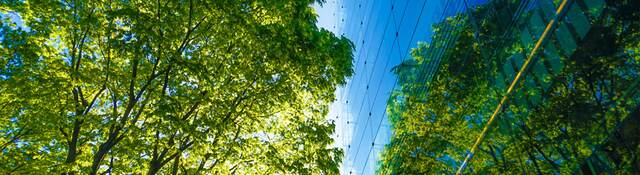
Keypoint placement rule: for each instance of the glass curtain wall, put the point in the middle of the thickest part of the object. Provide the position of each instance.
(575, 111)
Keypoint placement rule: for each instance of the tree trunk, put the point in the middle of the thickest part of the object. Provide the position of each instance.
(154, 167)
(72, 151)
(103, 149)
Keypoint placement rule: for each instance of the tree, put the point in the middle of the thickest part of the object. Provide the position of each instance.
(566, 111)
(168, 87)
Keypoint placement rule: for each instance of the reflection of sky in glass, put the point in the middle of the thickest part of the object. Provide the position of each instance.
(383, 32)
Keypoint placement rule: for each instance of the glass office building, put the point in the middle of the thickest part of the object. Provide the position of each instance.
(574, 111)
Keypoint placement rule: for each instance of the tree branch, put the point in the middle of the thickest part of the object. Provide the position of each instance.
(90, 105)
(20, 133)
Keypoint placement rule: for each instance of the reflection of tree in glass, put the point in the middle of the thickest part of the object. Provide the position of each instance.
(573, 112)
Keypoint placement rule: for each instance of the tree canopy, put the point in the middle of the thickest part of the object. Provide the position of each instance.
(168, 87)
(574, 112)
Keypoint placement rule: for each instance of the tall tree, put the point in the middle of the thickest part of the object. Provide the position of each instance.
(170, 87)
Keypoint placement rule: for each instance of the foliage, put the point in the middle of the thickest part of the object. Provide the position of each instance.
(189, 87)
(556, 120)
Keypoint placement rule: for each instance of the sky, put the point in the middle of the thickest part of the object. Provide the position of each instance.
(383, 32)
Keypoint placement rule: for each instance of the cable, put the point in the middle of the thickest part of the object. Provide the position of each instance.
(349, 89)
(560, 13)
(396, 78)
(433, 65)
(358, 56)
(448, 39)
(373, 68)
(439, 52)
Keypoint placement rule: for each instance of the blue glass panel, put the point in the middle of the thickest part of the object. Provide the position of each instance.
(525, 38)
(508, 71)
(565, 39)
(578, 20)
(535, 98)
(536, 25)
(518, 60)
(552, 57)
(595, 7)
(499, 81)
(548, 8)
(540, 72)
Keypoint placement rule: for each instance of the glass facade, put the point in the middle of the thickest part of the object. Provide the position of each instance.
(575, 111)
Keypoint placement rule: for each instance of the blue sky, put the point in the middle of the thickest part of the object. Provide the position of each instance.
(383, 31)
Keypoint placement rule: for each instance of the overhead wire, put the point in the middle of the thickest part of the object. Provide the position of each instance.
(357, 57)
(435, 55)
(515, 18)
(346, 147)
(360, 53)
(431, 51)
(374, 63)
(396, 78)
(439, 53)
(402, 139)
